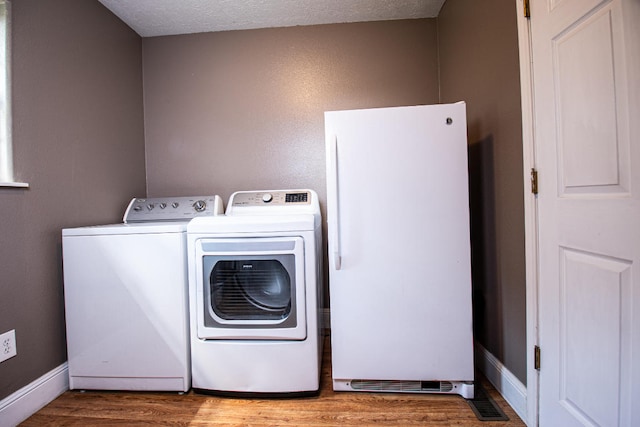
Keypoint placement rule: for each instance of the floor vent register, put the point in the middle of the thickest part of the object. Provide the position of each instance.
(485, 408)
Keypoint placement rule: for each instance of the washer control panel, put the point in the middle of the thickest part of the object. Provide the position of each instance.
(172, 208)
(271, 198)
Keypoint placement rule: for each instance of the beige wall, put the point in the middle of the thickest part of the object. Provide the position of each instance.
(243, 110)
(79, 142)
(479, 63)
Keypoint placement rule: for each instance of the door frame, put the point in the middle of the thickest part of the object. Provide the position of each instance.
(530, 209)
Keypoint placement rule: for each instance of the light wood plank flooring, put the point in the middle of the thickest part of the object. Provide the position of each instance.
(93, 408)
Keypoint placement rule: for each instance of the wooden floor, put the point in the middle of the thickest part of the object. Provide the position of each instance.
(93, 408)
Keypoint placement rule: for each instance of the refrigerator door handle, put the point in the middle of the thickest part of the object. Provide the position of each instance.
(337, 257)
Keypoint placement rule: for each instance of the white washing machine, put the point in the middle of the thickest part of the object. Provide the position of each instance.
(255, 279)
(126, 297)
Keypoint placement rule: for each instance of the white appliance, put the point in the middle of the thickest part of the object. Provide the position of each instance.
(399, 250)
(126, 297)
(255, 280)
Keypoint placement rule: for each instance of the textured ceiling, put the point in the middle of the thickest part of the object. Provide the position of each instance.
(166, 17)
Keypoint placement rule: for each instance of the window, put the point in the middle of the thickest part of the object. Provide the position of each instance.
(6, 153)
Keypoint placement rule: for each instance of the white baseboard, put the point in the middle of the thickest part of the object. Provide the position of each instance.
(25, 402)
(511, 389)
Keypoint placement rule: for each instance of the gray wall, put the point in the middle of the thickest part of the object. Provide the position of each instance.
(243, 110)
(479, 63)
(79, 142)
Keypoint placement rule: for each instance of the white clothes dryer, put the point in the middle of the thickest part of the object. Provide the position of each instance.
(255, 279)
(126, 297)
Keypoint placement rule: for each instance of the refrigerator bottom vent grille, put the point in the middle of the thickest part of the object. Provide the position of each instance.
(408, 386)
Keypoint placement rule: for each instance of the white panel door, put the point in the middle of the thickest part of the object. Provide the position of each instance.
(586, 71)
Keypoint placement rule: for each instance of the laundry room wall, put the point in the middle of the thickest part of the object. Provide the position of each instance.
(479, 63)
(238, 110)
(243, 110)
(78, 140)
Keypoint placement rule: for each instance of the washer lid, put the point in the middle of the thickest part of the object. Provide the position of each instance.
(139, 228)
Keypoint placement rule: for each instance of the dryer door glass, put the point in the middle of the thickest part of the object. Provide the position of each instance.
(251, 289)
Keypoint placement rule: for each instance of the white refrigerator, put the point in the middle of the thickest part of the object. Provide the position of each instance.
(399, 250)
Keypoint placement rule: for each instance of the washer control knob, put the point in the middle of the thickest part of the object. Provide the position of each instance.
(268, 197)
(162, 205)
(175, 205)
(150, 206)
(200, 205)
(137, 208)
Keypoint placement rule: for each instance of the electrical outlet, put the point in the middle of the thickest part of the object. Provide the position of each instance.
(8, 345)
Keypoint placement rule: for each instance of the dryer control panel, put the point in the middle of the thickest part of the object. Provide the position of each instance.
(272, 198)
(273, 202)
(172, 208)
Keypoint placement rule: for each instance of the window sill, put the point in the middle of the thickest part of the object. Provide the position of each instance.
(14, 185)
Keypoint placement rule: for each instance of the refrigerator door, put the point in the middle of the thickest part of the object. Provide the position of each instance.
(399, 253)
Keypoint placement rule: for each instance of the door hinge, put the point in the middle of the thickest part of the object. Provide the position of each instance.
(527, 9)
(536, 358)
(534, 181)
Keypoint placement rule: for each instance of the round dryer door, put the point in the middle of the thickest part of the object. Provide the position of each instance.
(250, 289)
